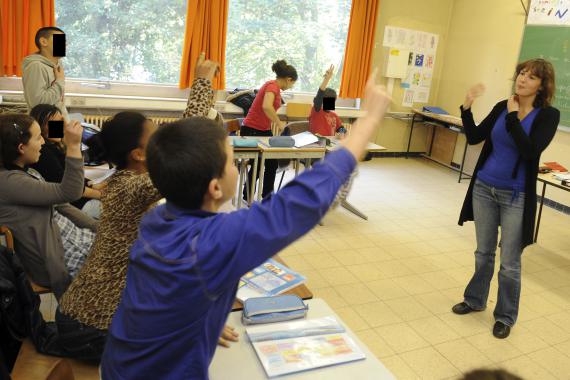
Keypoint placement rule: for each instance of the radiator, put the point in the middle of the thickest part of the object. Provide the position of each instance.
(98, 120)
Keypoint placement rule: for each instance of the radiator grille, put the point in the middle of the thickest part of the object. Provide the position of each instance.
(98, 120)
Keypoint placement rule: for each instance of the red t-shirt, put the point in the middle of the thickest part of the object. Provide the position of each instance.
(256, 118)
(324, 123)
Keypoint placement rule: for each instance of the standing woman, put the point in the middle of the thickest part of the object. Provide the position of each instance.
(263, 112)
(502, 191)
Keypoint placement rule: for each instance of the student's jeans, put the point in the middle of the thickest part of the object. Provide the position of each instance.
(270, 165)
(493, 208)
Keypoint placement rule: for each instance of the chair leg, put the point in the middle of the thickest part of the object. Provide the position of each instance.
(281, 181)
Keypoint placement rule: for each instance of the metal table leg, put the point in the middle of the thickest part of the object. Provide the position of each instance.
(462, 162)
(261, 176)
(242, 164)
(251, 195)
(539, 212)
(410, 137)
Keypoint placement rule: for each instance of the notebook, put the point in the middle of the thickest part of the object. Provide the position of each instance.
(289, 347)
(304, 138)
(269, 279)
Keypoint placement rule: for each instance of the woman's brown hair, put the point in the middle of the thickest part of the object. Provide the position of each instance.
(14, 130)
(545, 71)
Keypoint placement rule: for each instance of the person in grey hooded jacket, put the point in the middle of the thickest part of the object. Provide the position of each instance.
(42, 74)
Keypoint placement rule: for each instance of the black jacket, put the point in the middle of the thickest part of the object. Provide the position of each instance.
(20, 315)
(530, 148)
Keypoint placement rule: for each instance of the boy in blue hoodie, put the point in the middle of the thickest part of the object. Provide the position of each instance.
(187, 260)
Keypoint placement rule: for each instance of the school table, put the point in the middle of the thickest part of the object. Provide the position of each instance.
(301, 290)
(240, 362)
(243, 155)
(274, 153)
(546, 179)
(450, 122)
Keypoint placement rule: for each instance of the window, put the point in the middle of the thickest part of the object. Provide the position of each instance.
(309, 34)
(129, 40)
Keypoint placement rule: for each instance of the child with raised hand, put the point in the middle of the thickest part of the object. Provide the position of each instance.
(322, 120)
(53, 238)
(187, 260)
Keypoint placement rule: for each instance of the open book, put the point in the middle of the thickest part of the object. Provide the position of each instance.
(269, 279)
(289, 347)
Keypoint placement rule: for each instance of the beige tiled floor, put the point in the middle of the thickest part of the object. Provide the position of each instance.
(394, 278)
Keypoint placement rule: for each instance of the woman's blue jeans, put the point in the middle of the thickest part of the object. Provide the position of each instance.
(493, 208)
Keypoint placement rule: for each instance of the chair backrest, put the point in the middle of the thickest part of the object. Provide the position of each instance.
(6, 238)
(298, 110)
(298, 127)
(232, 127)
(61, 370)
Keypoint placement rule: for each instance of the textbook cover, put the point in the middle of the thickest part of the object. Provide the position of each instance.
(290, 347)
(270, 279)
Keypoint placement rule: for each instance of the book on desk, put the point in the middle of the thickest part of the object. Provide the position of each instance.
(269, 279)
(290, 347)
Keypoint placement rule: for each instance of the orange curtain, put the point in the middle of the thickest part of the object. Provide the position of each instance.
(206, 26)
(20, 20)
(359, 48)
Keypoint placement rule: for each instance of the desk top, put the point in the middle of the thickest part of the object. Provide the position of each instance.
(240, 360)
(301, 290)
(449, 119)
(549, 178)
(264, 145)
(371, 147)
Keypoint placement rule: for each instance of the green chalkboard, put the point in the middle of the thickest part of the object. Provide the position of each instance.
(552, 43)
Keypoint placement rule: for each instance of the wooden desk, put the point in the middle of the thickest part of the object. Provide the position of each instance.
(240, 362)
(446, 121)
(32, 365)
(546, 179)
(301, 290)
(269, 153)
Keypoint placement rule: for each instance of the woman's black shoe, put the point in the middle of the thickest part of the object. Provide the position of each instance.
(462, 308)
(500, 330)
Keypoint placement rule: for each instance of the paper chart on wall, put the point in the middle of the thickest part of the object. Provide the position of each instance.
(549, 12)
(421, 61)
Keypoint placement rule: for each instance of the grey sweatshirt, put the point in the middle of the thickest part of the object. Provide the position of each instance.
(26, 207)
(40, 86)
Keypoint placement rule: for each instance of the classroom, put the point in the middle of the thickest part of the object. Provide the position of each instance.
(296, 189)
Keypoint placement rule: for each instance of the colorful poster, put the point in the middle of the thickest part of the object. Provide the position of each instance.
(421, 96)
(549, 12)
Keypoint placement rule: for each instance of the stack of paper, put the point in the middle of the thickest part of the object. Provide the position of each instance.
(304, 138)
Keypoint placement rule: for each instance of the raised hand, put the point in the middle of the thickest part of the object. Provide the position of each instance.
(205, 68)
(327, 77)
(472, 94)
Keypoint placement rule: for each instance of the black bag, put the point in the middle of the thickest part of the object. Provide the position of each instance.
(20, 315)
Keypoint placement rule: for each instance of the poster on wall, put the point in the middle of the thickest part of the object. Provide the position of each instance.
(549, 12)
(421, 61)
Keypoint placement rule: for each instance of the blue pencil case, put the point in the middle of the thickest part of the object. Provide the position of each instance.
(240, 142)
(273, 309)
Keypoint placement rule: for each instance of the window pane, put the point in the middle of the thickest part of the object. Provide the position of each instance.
(309, 34)
(127, 40)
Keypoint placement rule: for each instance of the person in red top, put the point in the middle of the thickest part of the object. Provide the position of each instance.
(323, 120)
(263, 112)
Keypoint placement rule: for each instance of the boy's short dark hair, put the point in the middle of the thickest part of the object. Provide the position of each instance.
(183, 157)
(45, 32)
(490, 374)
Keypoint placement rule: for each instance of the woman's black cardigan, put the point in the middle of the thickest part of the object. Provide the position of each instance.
(529, 146)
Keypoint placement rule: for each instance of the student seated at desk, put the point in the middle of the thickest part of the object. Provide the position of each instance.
(187, 260)
(52, 160)
(52, 237)
(322, 120)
